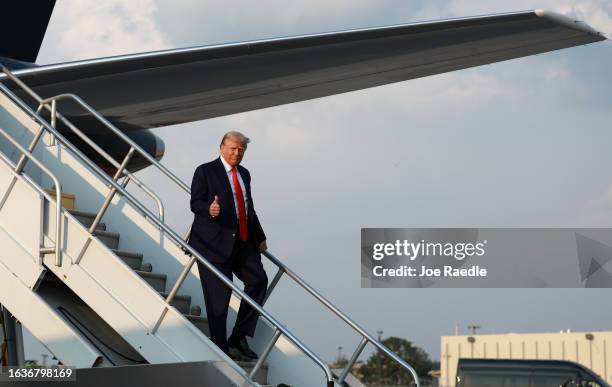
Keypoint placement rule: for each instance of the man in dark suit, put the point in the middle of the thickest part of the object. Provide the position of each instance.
(227, 232)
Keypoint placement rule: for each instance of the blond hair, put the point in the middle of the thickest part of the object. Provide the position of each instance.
(236, 136)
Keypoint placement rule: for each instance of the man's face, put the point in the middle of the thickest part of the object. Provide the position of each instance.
(232, 151)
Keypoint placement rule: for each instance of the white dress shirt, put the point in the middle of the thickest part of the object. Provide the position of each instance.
(228, 170)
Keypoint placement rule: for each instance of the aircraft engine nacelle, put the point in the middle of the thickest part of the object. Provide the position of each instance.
(118, 149)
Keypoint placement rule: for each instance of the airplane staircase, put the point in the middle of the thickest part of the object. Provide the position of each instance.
(108, 284)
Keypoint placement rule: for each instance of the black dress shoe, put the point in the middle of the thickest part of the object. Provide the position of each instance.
(238, 347)
(235, 355)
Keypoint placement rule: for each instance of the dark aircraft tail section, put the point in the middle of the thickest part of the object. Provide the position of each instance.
(22, 28)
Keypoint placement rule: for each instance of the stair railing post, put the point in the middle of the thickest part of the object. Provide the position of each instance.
(354, 358)
(58, 225)
(21, 164)
(58, 196)
(173, 292)
(23, 159)
(112, 192)
(107, 201)
(273, 284)
(265, 353)
(53, 121)
(181, 279)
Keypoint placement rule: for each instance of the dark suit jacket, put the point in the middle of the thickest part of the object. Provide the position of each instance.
(214, 237)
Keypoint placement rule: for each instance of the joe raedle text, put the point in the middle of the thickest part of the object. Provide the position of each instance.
(424, 271)
(436, 259)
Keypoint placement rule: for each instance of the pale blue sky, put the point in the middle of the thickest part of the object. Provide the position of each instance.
(525, 143)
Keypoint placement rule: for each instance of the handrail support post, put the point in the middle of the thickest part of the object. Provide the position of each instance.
(53, 121)
(58, 198)
(349, 365)
(181, 279)
(107, 201)
(264, 355)
(112, 192)
(273, 284)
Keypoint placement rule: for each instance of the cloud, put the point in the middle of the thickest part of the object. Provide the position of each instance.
(597, 212)
(219, 22)
(104, 28)
(597, 13)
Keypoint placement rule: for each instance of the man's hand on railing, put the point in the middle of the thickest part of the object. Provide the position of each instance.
(263, 246)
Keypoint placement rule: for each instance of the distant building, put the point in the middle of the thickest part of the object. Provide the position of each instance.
(591, 349)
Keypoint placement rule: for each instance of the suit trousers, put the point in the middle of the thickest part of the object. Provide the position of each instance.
(245, 263)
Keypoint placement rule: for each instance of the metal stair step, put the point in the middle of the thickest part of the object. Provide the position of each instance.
(87, 218)
(182, 302)
(200, 322)
(133, 260)
(156, 280)
(261, 376)
(110, 239)
(195, 310)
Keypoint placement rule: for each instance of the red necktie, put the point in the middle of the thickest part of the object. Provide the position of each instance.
(242, 217)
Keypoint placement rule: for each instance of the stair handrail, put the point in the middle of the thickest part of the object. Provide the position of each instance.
(58, 197)
(278, 327)
(56, 114)
(365, 336)
(120, 134)
(282, 268)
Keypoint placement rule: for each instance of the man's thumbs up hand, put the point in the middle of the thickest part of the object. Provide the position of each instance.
(215, 209)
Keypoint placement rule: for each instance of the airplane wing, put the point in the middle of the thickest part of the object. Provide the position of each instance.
(168, 87)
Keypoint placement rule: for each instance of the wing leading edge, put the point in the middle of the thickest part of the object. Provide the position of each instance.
(174, 86)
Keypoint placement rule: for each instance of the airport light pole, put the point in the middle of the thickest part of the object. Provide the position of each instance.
(473, 328)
